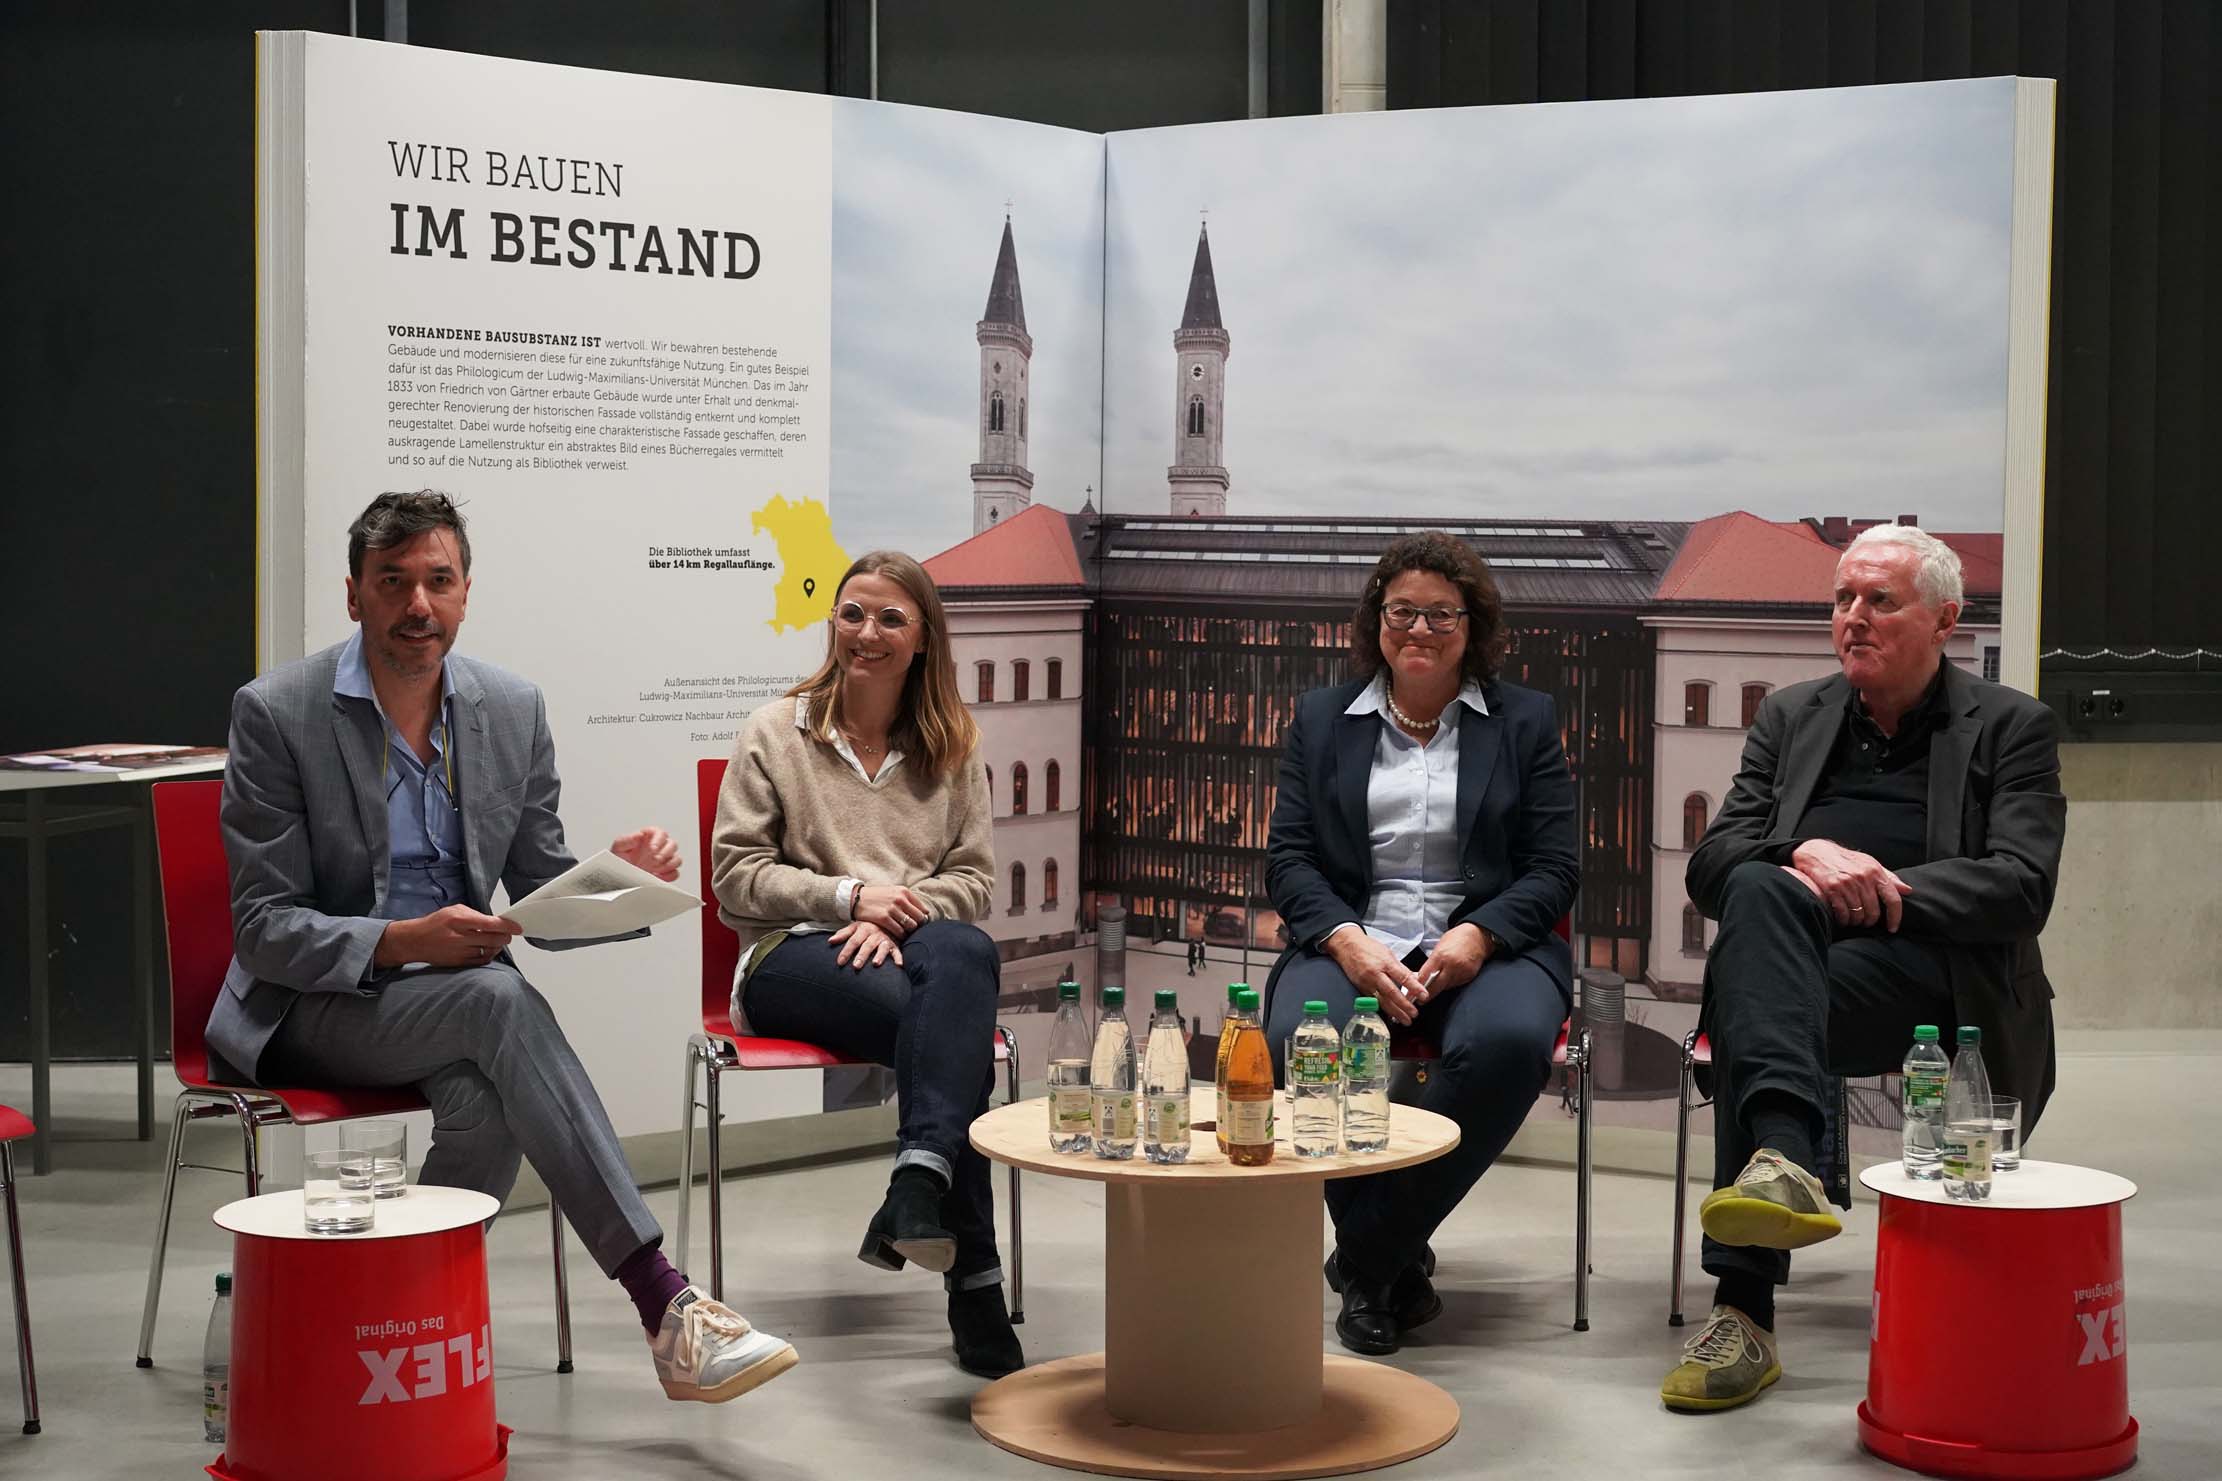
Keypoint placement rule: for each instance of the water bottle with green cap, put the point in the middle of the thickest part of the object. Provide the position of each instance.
(1165, 1084)
(1315, 1084)
(1365, 1079)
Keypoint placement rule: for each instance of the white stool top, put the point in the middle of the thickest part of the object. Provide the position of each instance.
(2033, 1185)
(422, 1210)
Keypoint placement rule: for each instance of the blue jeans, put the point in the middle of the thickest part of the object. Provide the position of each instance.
(1496, 1034)
(931, 1021)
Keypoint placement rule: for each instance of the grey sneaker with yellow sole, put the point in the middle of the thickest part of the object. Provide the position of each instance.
(1774, 1204)
(1730, 1360)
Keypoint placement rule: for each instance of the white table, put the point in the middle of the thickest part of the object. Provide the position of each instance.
(1213, 1362)
(34, 820)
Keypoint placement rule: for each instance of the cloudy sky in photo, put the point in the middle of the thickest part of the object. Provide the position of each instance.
(918, 205)
(1789, 303)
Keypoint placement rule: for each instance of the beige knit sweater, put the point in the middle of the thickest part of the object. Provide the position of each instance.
(795, 819)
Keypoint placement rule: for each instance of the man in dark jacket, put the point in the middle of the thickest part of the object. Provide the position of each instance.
(1885, 859)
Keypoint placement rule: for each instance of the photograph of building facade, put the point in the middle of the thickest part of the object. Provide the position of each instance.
(1136, 670)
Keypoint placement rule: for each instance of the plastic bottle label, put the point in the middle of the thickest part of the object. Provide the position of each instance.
(1965, 1154)
(1925, 1090)
(1115, 1116)
(1249, 1122)
(1071, 1111)
(215, 1406)
(1169, 1120)
(1313, 1066)
(1360, 1061)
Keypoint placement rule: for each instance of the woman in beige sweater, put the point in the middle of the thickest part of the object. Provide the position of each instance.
(852, 852)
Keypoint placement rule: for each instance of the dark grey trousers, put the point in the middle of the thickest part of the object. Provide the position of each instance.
(483, 1046)
(1792, 998)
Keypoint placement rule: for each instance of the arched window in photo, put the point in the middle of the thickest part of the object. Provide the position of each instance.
(1195, 416)
(1693, 930)
(1018, 888)
(1020, 677)
(1056, 678)
(1697, 704)
(1049, 884)
(986, 672)
(1754, 696)
(995, 411)
(1022, 416)
(1050, 781)
(1018, 789)
(1693, 819)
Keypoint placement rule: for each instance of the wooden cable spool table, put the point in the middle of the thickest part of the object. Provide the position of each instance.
(1214, 1361)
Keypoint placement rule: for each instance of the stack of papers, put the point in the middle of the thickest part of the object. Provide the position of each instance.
(603, 896)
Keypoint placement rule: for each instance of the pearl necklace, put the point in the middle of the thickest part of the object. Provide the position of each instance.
(1389, 693)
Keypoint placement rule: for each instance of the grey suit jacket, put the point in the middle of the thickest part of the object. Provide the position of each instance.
(304, 825)
(1996, 821)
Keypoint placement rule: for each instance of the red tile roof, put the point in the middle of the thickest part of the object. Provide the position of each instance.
(1032, 548)
(1740, 557)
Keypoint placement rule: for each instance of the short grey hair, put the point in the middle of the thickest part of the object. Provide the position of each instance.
(1937, 574)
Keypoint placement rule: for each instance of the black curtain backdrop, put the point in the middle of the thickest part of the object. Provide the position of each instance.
(2133, 462)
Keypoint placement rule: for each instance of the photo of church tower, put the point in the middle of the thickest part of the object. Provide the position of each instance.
(1198, 475)
(1002, 485)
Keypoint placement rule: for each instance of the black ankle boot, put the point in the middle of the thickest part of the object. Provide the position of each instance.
(908, 1225)
(980, 1331)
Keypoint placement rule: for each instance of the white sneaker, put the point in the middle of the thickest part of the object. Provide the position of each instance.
(707, 1352)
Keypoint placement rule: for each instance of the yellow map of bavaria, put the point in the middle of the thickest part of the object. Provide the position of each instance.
(810, 561)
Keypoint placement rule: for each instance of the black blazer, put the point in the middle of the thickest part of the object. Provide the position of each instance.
(1996, 819)
(1515, 822)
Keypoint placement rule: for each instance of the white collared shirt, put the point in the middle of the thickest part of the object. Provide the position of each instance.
(1412, 824)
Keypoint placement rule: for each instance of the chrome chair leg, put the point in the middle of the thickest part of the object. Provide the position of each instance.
(678, 1253)
(250, 1133)
(1018, 1222)
(562, 1288)
(22, 1300)
(717, 1186)
(1681, 1175)
(1585, 1166)
(178, 1119)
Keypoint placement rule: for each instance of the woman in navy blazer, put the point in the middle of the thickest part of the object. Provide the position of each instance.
(1422, 850)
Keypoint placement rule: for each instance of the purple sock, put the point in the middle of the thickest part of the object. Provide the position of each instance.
(651, 1281)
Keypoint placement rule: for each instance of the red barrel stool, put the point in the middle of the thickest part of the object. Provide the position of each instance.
(362, 1357)
(1998, 1346)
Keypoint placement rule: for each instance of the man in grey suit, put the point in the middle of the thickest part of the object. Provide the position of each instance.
(1885, 859)
(375, 794)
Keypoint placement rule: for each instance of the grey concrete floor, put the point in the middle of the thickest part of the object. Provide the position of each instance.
(877, 1393)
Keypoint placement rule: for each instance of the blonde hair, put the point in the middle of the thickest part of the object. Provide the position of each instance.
(930, 718)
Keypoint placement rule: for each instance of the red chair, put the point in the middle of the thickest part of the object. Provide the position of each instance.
(196, 915)
(1570, 1053)
(719, 1048)
(13, 1126)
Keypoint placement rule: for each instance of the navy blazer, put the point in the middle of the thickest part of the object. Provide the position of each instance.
(1516, 849)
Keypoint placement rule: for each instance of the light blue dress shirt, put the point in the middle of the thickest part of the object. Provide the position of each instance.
(424, 821)
(1412, 824)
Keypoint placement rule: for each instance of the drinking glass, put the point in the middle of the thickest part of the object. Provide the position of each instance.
(337, 1197)
(2006, 1126)
(386, 1144)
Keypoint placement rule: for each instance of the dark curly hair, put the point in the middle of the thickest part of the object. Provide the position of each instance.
(1458, 563)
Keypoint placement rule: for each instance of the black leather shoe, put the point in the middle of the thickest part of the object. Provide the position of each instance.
(980, 1331)
(1368, 1321)
(908, 1225)
(1412, 1297)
